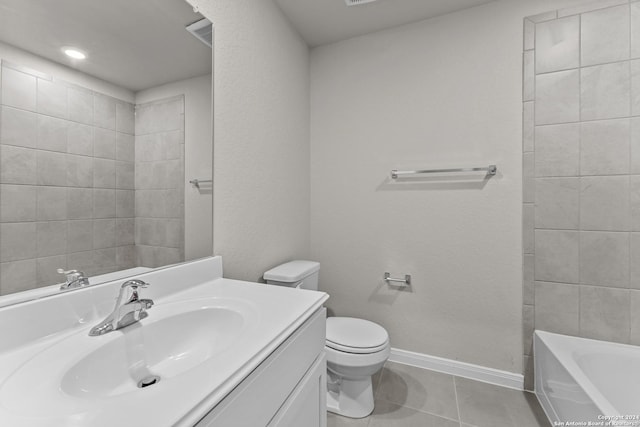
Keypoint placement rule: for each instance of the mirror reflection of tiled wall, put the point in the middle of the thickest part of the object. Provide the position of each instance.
(66, 180)
(159, 182)
(582, 173)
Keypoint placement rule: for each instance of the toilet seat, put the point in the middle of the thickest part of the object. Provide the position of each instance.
(357, 336)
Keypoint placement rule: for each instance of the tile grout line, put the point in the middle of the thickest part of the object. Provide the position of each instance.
(455, 393)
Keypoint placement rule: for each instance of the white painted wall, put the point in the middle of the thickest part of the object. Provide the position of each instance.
(198, 160)
(61, 72)
(261, 134)
(445, 92)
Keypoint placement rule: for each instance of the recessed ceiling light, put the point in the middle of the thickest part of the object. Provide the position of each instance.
(74, 53)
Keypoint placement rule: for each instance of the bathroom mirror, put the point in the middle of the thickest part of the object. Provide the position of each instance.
(105, 118)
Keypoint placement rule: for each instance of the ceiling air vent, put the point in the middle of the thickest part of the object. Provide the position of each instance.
(203, 31)
(357, 2)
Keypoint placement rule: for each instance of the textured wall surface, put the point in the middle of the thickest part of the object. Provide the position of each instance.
(261, 134)
(67, 180)
(445, 92)
(582, 173)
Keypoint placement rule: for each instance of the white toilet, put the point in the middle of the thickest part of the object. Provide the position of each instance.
(356, 348)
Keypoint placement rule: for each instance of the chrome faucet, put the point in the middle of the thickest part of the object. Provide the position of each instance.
(128, 310)
(75, 279)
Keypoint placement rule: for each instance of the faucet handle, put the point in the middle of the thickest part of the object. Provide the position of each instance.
(70, 273)
(135, 284)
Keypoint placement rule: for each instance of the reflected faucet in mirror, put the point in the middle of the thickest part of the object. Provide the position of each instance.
(74, 279)
(125, 313)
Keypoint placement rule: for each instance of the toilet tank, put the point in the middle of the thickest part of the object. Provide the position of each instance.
(295, 274)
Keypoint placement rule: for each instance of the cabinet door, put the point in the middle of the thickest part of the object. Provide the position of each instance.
(306, 406)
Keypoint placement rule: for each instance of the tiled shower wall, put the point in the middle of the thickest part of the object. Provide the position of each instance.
(66, 180)
(582, 173)
(159, 182)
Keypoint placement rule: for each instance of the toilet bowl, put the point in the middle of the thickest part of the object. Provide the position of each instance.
(355, 348)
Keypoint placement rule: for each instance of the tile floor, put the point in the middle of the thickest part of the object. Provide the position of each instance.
(407, 396)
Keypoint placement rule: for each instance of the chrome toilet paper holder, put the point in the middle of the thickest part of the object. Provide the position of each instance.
(402, 282)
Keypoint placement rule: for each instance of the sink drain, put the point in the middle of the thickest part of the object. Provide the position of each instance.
(148, 381)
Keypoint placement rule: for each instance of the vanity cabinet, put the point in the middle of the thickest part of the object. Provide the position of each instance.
(288, 389)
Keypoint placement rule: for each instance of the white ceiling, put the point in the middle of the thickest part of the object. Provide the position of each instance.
(135, 44)
(327, 21)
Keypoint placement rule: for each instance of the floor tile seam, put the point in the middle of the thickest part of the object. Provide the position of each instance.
(419, 410)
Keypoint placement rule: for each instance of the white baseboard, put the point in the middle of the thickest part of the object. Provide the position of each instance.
(459, 369)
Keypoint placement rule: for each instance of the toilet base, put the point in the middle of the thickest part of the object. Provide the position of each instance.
(351, 398)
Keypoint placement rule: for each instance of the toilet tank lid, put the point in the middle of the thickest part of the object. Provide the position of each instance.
(292, 271)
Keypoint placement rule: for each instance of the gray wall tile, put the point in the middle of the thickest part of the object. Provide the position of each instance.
(635, 87)
(17, 203)
(80, 104)
(104, 203)
(528, 326)
(558, 97)
(17, 276)
(557, 308)
(528, 274)
(557, 149)
(634, 201)
(634, 270)
(126, 257)
(557, 203)
(528, 77)
(52, 168)
(125, 147)
(18, 127)
(18, 241)
(79, 171)
(604, 259)
(125, 231)
(18, 89)
(51, 203)
(52, 99)
(51, 238)
(605, 91)
(604, 147)
(635, 30)
(528, 227)
(558, 45)
(600, 314)
(104, 235)
(604, 203)
(557, 256)
(17, 165)
(104, 173)
(605, 35)
(528, 122)
(125, 118)
(104, 143)
(52, 134)
(104, 112)
(125, 203)
(80, 139)
(634, 317)
(79, 235)
(80, 203)
(104, 257)
(125, 175)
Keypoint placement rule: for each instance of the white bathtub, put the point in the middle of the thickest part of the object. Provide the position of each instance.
(580, 380)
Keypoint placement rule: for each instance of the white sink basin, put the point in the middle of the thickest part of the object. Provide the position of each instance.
(175, 339)
(165, 348)
(203, 336)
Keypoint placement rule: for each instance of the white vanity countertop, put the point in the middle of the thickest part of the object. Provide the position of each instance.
(41, 381)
